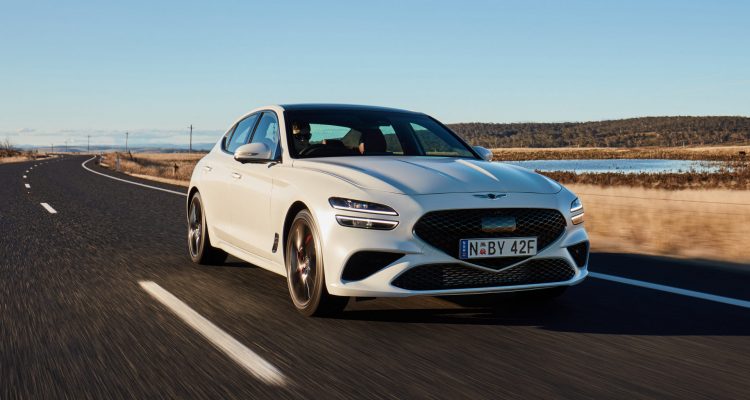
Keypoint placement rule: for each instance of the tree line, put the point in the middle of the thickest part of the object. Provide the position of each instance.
(631, 132)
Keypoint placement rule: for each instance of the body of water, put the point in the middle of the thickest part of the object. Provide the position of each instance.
(626, 166)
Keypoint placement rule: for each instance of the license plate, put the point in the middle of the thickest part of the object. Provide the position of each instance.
(491, 248)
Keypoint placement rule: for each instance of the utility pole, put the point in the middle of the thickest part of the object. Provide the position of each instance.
(66, 145)
(88, 144)
(126, 142)
(53, 148)
(190, 150)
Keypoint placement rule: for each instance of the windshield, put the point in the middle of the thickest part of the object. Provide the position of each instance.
(337, 133)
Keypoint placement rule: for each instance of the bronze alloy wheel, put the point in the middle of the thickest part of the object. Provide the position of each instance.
(303, 258)
(195, 227)
(305, 276)
(199, 243)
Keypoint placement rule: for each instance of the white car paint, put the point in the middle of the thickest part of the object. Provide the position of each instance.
(247, 204)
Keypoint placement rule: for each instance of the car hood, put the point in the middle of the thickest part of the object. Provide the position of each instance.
(431, 175)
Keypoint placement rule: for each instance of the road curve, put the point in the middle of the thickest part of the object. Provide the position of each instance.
(76, 322)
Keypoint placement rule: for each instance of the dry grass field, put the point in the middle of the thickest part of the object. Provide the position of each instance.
(159, 165)
(699, 224)
(12, 159)
(19, 156)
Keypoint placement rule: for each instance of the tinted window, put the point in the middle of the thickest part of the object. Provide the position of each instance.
(267, 132)
(345, 137)
(435, 144)
(241, 133)
(331, 133)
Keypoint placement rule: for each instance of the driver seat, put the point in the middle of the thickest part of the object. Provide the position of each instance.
(372, 141)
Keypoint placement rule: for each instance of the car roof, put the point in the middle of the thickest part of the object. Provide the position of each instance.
(343, 107)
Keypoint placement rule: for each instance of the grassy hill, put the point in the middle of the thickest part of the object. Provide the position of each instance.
(632, 132)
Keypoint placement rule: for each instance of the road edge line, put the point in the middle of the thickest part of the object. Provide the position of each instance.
(672, 289)
(83, 164)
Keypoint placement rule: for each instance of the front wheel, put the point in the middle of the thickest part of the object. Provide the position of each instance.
(304, 269)
(199, 244)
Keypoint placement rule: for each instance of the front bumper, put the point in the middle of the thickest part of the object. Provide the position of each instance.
(341, 243)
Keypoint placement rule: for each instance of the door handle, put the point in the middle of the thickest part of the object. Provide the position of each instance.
(207, 168)
(236, 175)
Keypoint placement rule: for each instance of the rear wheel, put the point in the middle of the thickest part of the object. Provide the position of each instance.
(304, 268)
(199, 244)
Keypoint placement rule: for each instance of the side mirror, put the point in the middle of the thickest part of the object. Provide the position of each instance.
(253, 153)
(486, 154)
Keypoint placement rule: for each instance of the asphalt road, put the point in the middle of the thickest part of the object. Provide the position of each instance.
(76, 323)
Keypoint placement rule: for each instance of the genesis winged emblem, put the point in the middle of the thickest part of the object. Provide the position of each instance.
(491, 196)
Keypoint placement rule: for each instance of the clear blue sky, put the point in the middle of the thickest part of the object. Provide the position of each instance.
(76, 68)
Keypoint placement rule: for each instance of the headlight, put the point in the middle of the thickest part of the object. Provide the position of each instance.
(366, 223)
(576, 211)
(576, 205)
(360, 206)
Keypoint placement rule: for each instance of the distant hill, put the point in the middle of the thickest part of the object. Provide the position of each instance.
(632, 132)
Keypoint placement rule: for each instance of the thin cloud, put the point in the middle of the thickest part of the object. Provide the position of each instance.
(112, 137)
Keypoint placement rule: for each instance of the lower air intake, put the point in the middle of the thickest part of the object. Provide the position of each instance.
(457, 276)
(580, 253)
(365, 263)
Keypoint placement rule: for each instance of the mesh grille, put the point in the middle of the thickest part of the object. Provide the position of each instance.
(457, 276)
(444, 229)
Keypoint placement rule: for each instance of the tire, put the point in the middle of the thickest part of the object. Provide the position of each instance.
(304, 270)
(199, 243)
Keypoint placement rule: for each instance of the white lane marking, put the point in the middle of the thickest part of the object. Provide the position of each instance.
(24, 177)
(671, 289)
(131, 182)
(48, 208)
(252, 362)
(27, 186)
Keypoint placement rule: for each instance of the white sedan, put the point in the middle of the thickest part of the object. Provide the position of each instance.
(358, 201)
